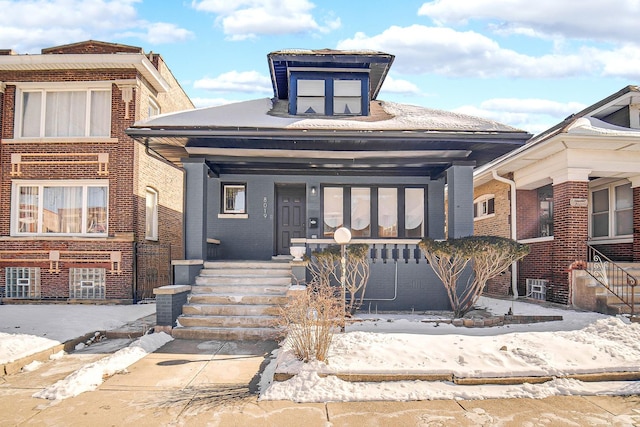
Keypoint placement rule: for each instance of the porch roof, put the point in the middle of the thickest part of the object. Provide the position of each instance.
(258, 136)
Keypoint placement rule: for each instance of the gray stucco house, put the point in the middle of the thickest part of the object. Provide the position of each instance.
(323, 153)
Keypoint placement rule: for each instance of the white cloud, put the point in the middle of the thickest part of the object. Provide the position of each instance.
(246, 19)
(532, 115)
(420, 49)
(234, 81)
(393, 85)
(33, 24)
(587, 19)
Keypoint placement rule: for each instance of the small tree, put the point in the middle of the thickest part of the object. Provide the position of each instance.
(324, 264)
(357, 275)
(487, 255)
(309, 320)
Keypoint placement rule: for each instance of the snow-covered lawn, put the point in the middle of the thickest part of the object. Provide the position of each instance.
(583, 342)
(31, 328)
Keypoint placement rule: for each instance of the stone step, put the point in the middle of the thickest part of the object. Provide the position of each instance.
(192, 309)
(242, 280)
(225, 334)
(240, 289)
(238, 299)
(228, 321)
(245, 272)
(252, 265)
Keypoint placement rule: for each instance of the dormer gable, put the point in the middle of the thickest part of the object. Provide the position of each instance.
(328, 82)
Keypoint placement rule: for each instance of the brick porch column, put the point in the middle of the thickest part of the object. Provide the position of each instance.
(570, 231)
(636, 220)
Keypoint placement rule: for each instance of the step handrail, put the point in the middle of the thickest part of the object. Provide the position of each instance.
(612, 276)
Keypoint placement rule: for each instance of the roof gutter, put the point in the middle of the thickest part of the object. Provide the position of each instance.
(514, 233)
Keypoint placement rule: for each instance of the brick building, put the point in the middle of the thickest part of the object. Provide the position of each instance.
(569, 192)
(89, 214)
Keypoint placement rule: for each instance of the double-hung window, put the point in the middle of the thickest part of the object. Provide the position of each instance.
(60, 207)
(612, 211)
(50, 113)
(311, 95)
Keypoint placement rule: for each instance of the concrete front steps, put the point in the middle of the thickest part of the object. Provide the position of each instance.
(235, 300)
(607, 302)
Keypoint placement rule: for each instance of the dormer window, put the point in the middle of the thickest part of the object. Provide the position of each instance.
(347, 97)
(311, 95)
(329, 94)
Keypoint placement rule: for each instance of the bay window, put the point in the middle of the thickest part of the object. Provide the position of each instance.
(60, 207)
(65, 113)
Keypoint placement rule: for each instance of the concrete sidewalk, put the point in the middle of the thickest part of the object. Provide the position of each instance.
(214, 383)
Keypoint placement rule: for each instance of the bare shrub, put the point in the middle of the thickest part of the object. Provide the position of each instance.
(310, 319)
(487, 255)
(357, 275)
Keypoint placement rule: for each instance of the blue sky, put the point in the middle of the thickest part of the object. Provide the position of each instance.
(527, 64)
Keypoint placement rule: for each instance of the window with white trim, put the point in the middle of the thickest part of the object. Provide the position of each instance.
(154, 108)
(60, 207)
(484, 206)
(87, 283)
(49, 113)
(347, 97)
(151, 214)
(234, 198)
(22, 282)
(612, 211)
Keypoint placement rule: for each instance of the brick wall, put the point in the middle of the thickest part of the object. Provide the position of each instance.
(537, 265)
(636, 224)
(570, 236)
(497, 225)
(622, 252)
(527, 214)
(130, 169)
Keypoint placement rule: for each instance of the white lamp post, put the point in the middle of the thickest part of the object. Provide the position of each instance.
(342, 236)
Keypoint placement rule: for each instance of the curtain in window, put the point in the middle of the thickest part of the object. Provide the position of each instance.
(100, 120)
(65, 113)
(62, 210)
(361, 212)
(96, 209)
(31, 114)
(414, 212)
(387, 212)
(333, 218)
(28, 210)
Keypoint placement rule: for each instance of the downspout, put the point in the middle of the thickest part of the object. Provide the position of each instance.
(514, 234)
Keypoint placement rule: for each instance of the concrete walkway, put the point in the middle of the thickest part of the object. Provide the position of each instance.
(214, 383)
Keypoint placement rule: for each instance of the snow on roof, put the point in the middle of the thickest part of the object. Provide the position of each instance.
(593, 126)
(262, 113)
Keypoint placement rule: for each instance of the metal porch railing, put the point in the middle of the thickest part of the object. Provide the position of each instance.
(613, 277)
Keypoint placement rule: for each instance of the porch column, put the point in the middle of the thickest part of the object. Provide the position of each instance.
(435, 209)
(570, 229)
(195, 209)
(635, 184)
(460, 201)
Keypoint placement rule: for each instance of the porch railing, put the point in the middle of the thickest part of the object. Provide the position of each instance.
(380, 250)
(613, 277)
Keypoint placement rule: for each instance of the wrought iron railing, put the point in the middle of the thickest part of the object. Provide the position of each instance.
(613, 277)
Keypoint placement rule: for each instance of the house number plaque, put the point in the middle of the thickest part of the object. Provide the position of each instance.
(264, 206)
(579, 203)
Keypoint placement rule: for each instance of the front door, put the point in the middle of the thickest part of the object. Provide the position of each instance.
(291, 216)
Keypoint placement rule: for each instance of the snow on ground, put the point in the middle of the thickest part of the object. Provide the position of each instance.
(31, 328)
(90, 376)
(583, 342)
